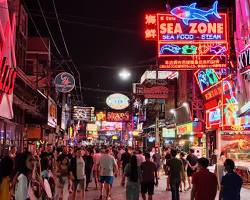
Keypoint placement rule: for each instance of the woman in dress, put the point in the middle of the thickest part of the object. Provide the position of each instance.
(133, 173)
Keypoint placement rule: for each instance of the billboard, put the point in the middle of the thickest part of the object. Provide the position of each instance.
(52, 113)
(168, 133)
(117, 116)
(83, 113)
(185, 129)
(111, 126)
(155, 92)
(189, 37)
(162, 75)
(117, 101)
(101, 116)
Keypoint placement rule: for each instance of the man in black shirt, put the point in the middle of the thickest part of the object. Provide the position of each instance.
(192, 164)
(125, 158)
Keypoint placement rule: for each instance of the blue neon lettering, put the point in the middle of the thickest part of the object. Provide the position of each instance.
(168, 37)
(185, 37)
(211, 37)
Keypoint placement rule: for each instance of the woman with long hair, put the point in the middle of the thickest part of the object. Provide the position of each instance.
(23, 168)
(6, 167)
(133, 174)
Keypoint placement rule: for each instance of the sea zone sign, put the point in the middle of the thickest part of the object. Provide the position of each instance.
(191, 38)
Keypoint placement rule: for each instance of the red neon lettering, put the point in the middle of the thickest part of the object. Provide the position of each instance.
(193, 28)
(150, 19)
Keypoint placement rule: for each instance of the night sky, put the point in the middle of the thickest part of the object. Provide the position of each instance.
(103, 33)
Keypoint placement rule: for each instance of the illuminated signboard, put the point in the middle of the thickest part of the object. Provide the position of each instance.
(213, 118)
(115, 116)
(185, 129)
(83, 113)
(244, 59)
(168, 133)
(151, 27)
(206, 78)
(101, 116)
(111, 126)
(162, 75)
(117, 101)
(199, 37)
(92, 127)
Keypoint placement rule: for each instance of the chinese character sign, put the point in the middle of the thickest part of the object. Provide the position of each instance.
(150, 27)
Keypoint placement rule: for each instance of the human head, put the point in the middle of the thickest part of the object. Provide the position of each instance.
(13, 149)
(25, 163)
(156, 150)
(203, 163)
(191, 151)
(65, 150)
(139, 151)
(173, 153)
(126, 150)
(97, 150)
(6, 167)
(229, 165)
(78, 152)
(107, 150)
(147, 156)
(182, 154)
(65, 161)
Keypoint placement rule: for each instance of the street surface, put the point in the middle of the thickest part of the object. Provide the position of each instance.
(119, 192)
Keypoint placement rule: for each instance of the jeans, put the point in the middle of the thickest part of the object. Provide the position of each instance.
(174, 185)
(62, 190)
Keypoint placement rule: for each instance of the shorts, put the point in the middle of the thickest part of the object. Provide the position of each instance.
(190, 172)
(78, 181)
(147, 188)
(107, 179)
(158, 167)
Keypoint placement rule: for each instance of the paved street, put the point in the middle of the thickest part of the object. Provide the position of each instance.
(118, 192)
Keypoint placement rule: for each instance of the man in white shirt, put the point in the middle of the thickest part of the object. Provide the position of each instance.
(107, 169)
(140, 158)
(78, 170)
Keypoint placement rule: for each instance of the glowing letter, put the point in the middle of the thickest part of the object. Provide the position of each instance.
(163, 28)
(219, 28)
(202, 28)
(170, 28)
(211, 28)
(193, 28)
(177, 28)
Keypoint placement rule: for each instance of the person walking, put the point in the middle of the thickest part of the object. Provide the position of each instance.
(157, 160)
(184, 163)
(77, 167)
(13, 151)
(167, 158)
(140, 158)
(149, 178)
(96, 157)
(176, 174)
(23, 172)
(108, 169)
(204, 182)
(231, 183)
(6, 167)
(125, 159)
(133, 173)
(89, 162)
(192, 164)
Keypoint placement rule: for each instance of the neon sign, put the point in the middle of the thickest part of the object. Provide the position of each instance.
(184, 129)
(206, 79)
(117, 101)
(101, 116)
(188, 13)
(150, 27)
(114, 116)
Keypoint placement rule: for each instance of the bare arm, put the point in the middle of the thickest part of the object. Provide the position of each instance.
(193, 191)
(221, 192)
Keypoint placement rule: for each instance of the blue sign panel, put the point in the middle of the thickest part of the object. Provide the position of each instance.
(64, 82)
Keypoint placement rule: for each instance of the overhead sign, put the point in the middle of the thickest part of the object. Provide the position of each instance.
(213, 118)
(101, 116)
(117, 116)
(83, 113)
(91, 127)
(168, 133)
(244, 59)
(155, 92)
(185, 129)
(52, 113)
(117, 101)
(64, 82)
(111, 126)
(199, 37)
(162, 75)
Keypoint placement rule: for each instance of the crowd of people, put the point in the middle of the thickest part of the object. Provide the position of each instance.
(54, 173)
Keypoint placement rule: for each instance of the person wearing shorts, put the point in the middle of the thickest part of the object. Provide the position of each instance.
(108, 168)
(78, 170)
(149, 177)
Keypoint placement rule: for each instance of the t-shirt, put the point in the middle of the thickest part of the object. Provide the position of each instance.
(192, 159)
(125, 158)
(175, 168)
(232, 183)
(184, 163)
(80, 168)
(148, 169)
(4, 189)
(206, 184)
(107, 163)
(157, 158)
(127, 171)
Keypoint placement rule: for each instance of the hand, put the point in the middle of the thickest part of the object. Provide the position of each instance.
(156, 183)
(122, 183)
(115, 175)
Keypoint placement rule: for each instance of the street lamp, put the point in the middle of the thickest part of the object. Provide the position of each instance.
(124, 74)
